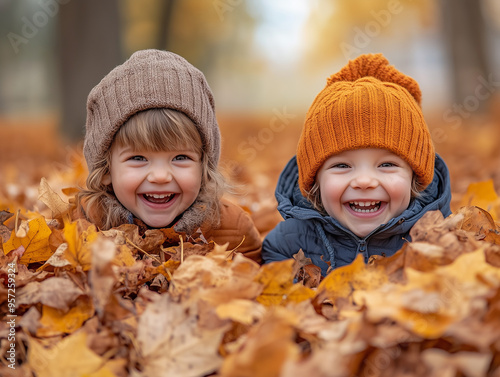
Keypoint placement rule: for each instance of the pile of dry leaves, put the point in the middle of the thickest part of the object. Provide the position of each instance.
(126, 302)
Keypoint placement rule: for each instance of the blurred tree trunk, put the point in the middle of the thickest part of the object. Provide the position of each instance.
(464, 38)
(167, 8)
(89, 47)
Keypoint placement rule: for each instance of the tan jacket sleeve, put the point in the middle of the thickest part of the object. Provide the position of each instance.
(235, 224)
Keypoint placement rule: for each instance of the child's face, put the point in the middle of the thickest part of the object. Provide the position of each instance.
(365, 188)
(155, 186)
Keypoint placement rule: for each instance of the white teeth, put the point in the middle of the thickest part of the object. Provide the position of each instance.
(355, 206)
(363, 204)
(156, 196)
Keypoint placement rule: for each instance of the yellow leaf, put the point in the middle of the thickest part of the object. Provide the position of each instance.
(342, 281)
(78, 252)
(124, 256)
(243, 311)
(168, 268)
(112, 368)
(35, 243)
(481, 194)
(277, 279)
(68, 358)
(57, 322)
(298, 293)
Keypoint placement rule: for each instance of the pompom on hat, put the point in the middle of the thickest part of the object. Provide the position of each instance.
(367, 104)
(149, 79)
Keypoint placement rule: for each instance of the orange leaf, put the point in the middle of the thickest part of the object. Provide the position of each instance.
(481, 194)
(71, 354)
(342, 281)
(277, 279)
(57, 322)
(35, 242)
(78, 252)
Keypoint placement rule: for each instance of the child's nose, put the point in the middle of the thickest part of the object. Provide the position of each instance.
(364, 180)
(160, 174)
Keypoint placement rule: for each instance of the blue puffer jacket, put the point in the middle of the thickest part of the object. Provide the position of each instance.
(324, 239)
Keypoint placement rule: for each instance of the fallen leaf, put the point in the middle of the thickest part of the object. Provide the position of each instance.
(57, 259)
(102, 277)
(243, 311)
(70, 357)
(78, 252)
(56, 292)
(5, 215)
(442, 363)
(480, 194)
(35, 243)
(172, 344)
(52, 200)
(343, 281)
(267, 346)
(278, 287)
(57, 322)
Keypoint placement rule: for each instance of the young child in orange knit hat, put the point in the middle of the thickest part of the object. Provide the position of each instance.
(365, 170)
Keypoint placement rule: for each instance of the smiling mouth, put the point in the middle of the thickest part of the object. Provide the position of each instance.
(365, 207)
(158, 199)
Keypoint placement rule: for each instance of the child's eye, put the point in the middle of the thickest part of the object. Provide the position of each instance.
(181, 157)
(137, 158)
(387, 164)
(340, 166)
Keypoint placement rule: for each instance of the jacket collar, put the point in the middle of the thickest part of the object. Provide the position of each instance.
(292, 204)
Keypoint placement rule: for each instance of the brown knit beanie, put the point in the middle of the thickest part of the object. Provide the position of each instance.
(367, 104)
(149, 79)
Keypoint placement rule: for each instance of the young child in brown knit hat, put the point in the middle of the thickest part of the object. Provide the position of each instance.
(152, 147)
(364, 173)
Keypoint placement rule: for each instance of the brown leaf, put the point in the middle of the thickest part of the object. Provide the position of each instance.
(4, 216)
(215, 279)
(172, 344)
(442, 363)
(56, 292)
(267, 347)
(306, 272)
(52, 200)
(102, 278)
(180, 253)
(480, 222)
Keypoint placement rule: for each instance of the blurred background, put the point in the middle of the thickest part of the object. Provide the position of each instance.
(265, 62)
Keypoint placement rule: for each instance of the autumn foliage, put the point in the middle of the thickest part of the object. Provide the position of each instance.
(136, 302)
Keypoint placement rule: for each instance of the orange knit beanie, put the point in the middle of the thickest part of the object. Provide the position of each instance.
(367, 104)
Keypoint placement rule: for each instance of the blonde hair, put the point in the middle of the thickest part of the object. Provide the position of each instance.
(150, 130)
(314, 194)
